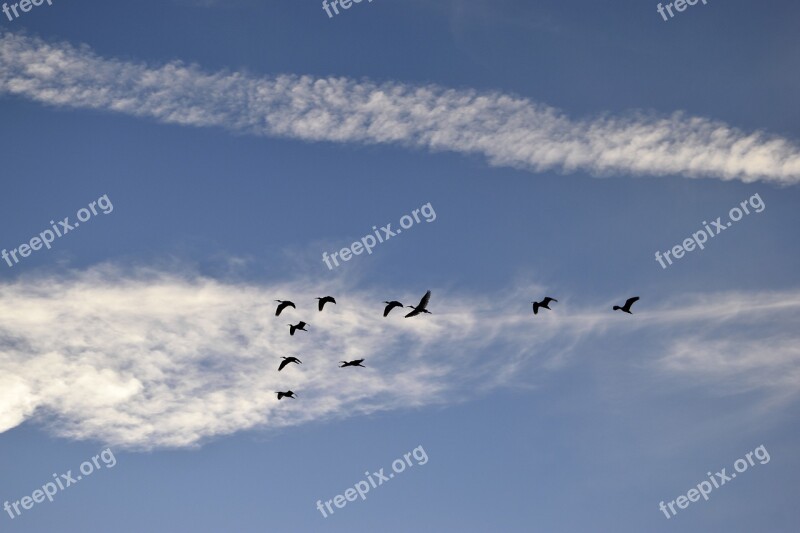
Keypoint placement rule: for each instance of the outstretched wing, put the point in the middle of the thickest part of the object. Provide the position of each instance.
(283, 364)
(425, 299)
(390, 306)
(283, 305)
(535, 308)
(547, 300)
(631, 301)
(414, 312)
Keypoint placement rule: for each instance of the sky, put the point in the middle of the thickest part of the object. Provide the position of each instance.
(189, 162)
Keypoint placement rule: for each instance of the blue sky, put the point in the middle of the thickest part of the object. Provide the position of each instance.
(560, 144)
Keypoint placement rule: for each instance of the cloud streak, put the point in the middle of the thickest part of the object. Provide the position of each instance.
(507, 130)
(149, 359)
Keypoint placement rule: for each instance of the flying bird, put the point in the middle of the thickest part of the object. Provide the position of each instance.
(543, 304)
(300, 325)
(287, 360)
(421, 307)
(283, 304)
(357, 362)
(323, 301)
(627, 306)
(288, 394)
(391, 305)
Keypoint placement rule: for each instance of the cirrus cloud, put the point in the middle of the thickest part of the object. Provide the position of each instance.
(151, 359)
(507, 130)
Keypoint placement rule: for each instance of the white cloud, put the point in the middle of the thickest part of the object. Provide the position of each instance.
(150, 359)
(507, 130)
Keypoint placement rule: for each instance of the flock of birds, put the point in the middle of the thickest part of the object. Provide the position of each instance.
(420, 308)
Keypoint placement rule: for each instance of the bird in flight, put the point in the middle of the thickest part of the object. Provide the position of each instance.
(542, 305)
(283, 304)
(627, 306)
(323, 301)
(288, 394)
(287, 360)
(391, 305)
(357, 362)
(421, 307)
(300, 325)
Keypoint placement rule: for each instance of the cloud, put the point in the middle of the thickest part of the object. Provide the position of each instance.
(507, 130)
(149, 359)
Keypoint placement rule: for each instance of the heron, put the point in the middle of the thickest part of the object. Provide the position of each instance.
(356, 362)
(543, 304)
(287, 360)
(288, 394)
(300, 325)
(421, 307)
(627, 307)
(391, 305)
(324, 300)
(283, 304)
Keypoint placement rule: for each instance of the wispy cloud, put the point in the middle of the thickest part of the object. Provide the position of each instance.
(149, 359)
(507, 130)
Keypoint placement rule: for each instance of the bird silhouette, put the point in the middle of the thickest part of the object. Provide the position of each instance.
(283, 304)
(356, 362)
(543, 304)
(627, 306)
(324, 300)
(287, 360)
(391, 305)
(421, 307)
(288, 394)
(300, 325)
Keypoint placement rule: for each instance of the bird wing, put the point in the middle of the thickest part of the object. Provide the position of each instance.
(548, 300)
(301, 325)
(631, 301)
(283, 305)
(535, 308)
(283, 364)
(390, 306)
(425, 299)
(414, 312)
(280, 395)
(291, 329)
